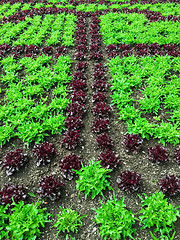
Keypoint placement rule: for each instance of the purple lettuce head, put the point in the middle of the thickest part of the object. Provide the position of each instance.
(74, 122)
(129, 181)
(13, 161)
(43, 153)
(101, 109)
(109, 159)
(100, 125)
(72, 161)
(104, 141)
(132, 143)
(158, 154)
(71, 139)
(10, 191)
(50, 187)
(177, 155)
(170, 185)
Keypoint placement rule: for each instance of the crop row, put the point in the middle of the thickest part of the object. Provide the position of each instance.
(155, 210)
(26, 112)
(76, 109)
(34, 34)
(104, 9)
(114, 29)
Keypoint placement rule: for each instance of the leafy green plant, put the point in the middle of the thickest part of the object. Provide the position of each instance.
(3, 221)
(156, 212)
(116, 221)
(26, 219)
(92, 179)
(68, 221)
(129, 73)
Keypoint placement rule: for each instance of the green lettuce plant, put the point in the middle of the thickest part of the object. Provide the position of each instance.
(26, 219)
(92, 179)
(3, 221)
(158, 213)
(116, 221)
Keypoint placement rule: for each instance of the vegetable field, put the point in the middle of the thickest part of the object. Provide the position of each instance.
(90, 119)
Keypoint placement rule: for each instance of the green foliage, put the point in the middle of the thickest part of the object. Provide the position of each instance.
(69, 29)
(3, 222)
(92, 179)
(135, 28)
(68, 221)
(116, 221)
(159, 90)
(156, 212)
(26, 113)
(56, 30)
(26, 219)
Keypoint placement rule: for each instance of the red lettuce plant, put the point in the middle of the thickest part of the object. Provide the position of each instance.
(129, 181)
(78, 85)
(82, 48)
(132, 143)
(80, 31)
(111, 47)
(104, 141)
(123, 47)
(170, 185)
(99, 75)
(78, 96)
(101, 109)
(96, 56)
(95, 20)
(100, 125)
(99, 67)
(94, 31)
(13, 161)
(158, 154)
(68, 163)
(71, 139)
(47, 50)
(127, 53)
(81, 66)
(43, 153)
(50, 187)
(80, 56)
(82, 36)
(177, 155)
(17, 50)
(4, 47)
(80, 26)
(109, 159)
(9, 191)
(61, 50)
(100, 85)
(95, 41)
(94, 47)
(99, 97)
(75, 109)
(113, 54)
(74, 123)
(31, 49)
(96, 35)
(79, 76)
